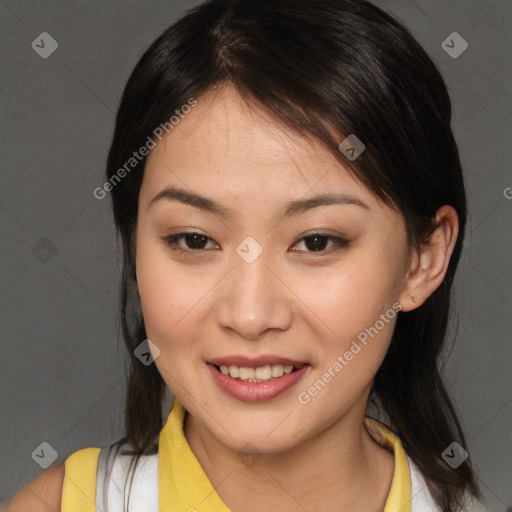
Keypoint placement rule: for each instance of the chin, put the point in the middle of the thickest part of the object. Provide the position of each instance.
(270, 436)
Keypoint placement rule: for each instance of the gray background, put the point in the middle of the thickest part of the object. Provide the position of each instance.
(62, 360)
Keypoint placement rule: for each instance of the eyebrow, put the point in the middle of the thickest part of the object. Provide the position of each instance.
(295, 207)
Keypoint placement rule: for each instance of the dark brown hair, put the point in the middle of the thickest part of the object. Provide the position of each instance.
(325, 70)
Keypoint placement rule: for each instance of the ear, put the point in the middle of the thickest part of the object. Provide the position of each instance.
(428, 266)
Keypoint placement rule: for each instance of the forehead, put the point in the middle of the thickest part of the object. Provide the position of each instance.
(234, 149)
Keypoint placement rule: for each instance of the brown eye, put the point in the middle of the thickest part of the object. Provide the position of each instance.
(317, 242)
(193, 241)
(197, 242)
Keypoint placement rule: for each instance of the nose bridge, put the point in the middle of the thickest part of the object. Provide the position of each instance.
(255, 261)
(255, 297)
(253, 278)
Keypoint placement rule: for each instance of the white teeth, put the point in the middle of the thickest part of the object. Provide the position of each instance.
(260, 374)
(263, 372)
(277, 370)
(246, 373)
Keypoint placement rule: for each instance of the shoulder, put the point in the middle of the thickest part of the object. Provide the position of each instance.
(47, 491)
(42, 494)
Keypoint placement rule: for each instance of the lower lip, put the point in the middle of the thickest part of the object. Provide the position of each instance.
(256, 391)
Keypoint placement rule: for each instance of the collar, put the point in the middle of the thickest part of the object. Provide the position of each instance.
(399, 497)
(180, 470)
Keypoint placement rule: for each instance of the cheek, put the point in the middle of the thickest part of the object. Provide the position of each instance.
(168, 295)
(353, 339)
(350, 297)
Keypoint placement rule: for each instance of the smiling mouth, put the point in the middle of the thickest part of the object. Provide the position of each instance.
(265, 373)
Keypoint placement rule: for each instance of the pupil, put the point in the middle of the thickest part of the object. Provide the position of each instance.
(316, 246)
(195, 244)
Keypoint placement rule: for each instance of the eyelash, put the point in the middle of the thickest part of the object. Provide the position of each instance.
(339, 243)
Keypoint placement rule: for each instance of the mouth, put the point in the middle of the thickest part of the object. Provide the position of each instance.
(256, 380)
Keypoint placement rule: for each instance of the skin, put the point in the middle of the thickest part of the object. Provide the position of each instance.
(291, 302)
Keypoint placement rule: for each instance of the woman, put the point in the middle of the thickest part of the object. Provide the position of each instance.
(291, 203)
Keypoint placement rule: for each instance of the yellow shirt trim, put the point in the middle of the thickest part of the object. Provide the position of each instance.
(183, 484)
(79, 489)
(180, 470)
(400, 494)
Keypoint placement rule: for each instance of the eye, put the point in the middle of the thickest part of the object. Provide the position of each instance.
(316, 242)
(194, 241)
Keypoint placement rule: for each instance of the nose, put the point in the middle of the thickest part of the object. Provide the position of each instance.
(254, 298)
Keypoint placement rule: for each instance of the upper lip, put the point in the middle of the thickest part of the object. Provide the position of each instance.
(255, 362)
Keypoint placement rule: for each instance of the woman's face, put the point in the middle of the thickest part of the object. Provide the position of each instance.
(255, 292)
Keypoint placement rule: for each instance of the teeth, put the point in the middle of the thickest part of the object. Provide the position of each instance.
(260, 374)
(263, 372)
(246, 373)
(277, 370)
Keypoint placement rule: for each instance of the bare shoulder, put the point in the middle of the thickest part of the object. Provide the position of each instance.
(42, 494)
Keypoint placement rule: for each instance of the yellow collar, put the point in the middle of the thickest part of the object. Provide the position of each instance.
(400, 495)
(179, 469)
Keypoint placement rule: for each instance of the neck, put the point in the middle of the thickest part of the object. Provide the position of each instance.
(340, 468)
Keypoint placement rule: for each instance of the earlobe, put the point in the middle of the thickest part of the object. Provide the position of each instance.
(429, 265)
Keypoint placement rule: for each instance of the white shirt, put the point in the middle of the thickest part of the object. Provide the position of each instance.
(144, 493)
